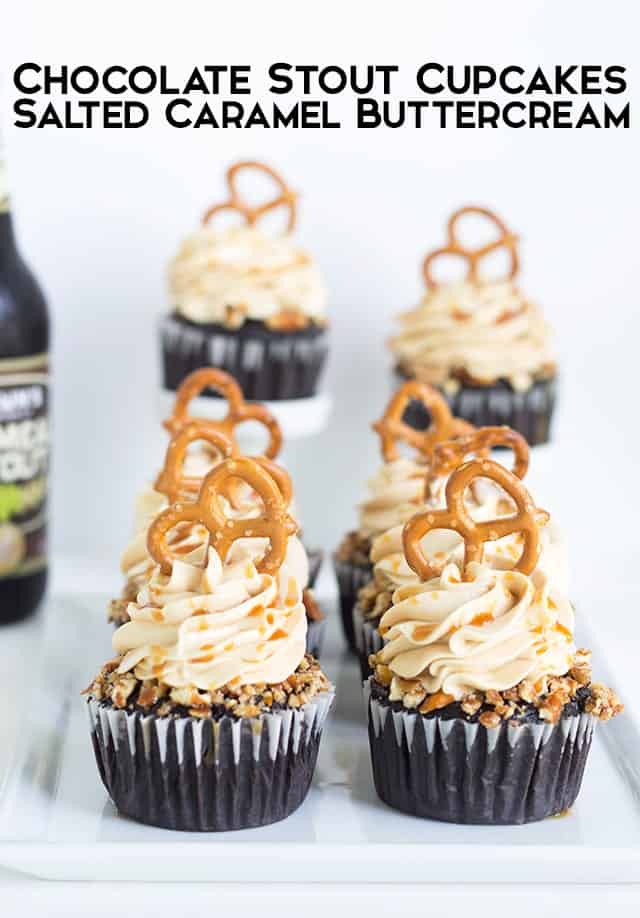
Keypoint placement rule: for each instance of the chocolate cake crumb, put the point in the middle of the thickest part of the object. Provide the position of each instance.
(125, 691)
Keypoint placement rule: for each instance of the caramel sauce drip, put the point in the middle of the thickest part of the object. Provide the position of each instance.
(292, 593)
(278, 634)
(481, 619)
(562, 630)
(422, 632)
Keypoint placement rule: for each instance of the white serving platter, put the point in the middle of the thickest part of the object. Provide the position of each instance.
(56, 821)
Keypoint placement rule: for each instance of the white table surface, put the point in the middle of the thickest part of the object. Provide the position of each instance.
(25, 896)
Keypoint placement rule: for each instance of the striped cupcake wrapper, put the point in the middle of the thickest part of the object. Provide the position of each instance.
(529, 412)
(455, 771)
(204, 775)
(351, 578)
(268, 365)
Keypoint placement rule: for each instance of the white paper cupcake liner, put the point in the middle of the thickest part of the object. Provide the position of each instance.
(315, 636)
(268, 365)
(205, 775)
(463, 772)
(367, 639)
(351, 578)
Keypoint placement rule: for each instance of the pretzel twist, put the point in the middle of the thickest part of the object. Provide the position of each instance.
(274, 523)
(171, 482)
(238, 410)
(449, 455)
(506, 240)
(392, 428)
(456, 518)
(235, 202)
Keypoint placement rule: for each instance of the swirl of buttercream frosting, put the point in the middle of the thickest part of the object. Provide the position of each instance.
(395, 494)
(189, 543)
(442, 546)
(489, 631)
(224, 624)
(488, 331)
(244, 272)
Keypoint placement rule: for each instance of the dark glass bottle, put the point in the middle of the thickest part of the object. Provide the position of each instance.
(24, 433)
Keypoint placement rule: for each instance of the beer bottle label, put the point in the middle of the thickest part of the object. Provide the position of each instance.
(24, 462)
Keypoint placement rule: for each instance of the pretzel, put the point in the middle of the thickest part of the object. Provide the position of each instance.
(449, 455)
(239, 410)
(279, 475)
(274, 523)
(392, 428)
(173, 484)
(287, 197)
(171, 481)
(455, 517)
(453, 246)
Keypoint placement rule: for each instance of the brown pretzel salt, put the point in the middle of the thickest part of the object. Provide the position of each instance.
(171, 482)
(238, 410)
(449, 455)
(274, 523)
(456, 518)
(505, 239)
(286, 197)
(392, 428)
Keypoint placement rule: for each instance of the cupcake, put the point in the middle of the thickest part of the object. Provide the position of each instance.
(210, 716)
(394, 492)
(481, 709)
(483, 500)
(246, 301)
(182, 476)
(480, 341)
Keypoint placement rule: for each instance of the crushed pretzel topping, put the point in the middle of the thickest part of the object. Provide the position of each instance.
(125, 691)
(548, 695)
(374, 598)
(354, 549)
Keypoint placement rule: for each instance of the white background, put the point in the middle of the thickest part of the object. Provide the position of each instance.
(99, 214)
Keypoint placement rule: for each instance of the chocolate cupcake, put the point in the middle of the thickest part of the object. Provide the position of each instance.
(182, 476)
(210, 717)
(481, 709)
(247, 302)
(481, 342)
(394, 493)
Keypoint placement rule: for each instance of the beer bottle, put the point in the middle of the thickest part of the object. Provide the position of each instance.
(24, 433)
